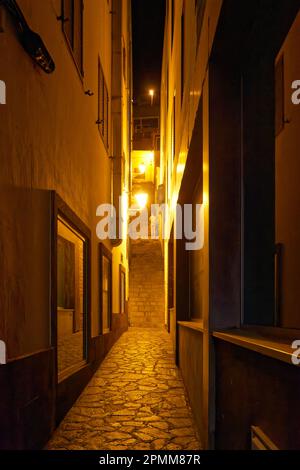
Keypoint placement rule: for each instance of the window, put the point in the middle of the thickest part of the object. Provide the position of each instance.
(72, 316)
(105, 294)
(103, 102)
(199, 7)
(72, 24)
(122, 287)
(150, 123)
(196, 265)
(189, 264)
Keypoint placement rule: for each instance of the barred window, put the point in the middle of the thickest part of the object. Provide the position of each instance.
(103, 103)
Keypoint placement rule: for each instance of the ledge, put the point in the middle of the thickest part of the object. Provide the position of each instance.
(272, 346)
(193, 325)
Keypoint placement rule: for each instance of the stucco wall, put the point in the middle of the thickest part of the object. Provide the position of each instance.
(49, 140)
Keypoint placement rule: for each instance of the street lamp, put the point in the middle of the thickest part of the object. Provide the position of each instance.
(151, 94)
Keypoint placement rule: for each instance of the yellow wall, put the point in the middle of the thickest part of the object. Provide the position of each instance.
(196, 85)
(49, 140)
(196, 63)
(120, 252)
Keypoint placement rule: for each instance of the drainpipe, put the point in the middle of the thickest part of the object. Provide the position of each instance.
(116, 112)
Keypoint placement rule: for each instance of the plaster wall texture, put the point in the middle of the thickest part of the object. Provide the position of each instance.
(49, 140)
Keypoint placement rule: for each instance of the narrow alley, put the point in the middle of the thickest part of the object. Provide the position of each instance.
(149, 227)
(136, 400)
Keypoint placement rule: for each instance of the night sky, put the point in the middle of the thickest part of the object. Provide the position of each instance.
(148, 18)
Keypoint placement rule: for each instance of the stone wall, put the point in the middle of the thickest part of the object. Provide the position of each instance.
(146, 284)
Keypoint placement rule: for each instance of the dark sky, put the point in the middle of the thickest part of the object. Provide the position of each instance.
(148, 17)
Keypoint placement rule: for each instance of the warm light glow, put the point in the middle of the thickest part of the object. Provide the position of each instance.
(151, 94)
(149, 157)
(180, 167)
(141, 199)
(142, 168)
(205, 199)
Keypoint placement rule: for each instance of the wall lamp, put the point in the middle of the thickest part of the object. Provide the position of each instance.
(31, 41)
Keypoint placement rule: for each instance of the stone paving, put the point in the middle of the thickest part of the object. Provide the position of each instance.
(136, 400)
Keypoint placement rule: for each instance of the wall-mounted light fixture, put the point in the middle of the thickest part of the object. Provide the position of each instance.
(31, 41)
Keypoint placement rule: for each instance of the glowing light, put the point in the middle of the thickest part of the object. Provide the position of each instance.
(151, 94)
(149, 156)
(141, 199)
(205, 198)
(142, 168)
(180, 167)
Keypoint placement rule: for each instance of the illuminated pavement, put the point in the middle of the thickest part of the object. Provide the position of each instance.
(136, 400)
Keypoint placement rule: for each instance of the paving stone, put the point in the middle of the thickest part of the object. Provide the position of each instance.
(157, 433)
(135, 401)
(142, 446)
(160, 425)
(117, 436)
(144, 437)
(124, 413)
(173, 447)
(159, 444)
(182, 432)
(180, 422)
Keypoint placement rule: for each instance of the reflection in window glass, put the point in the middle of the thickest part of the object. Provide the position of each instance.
(105, 264)
(122, 291)
(70, 297)
(105, 294)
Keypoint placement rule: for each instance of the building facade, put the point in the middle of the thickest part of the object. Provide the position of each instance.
(228, 144)
(65, 143)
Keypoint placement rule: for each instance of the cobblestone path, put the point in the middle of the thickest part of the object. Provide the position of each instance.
(136, 400)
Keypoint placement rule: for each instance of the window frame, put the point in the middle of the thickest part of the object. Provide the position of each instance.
(103, 108)
(122, 272)
(105, 253)
(61, 210)
(64, 20)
